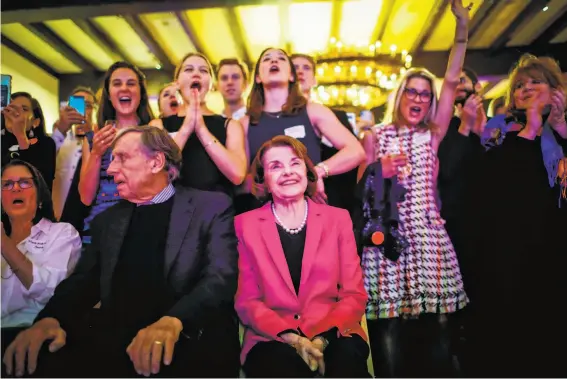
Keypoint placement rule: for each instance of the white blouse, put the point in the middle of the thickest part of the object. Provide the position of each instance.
(53, 249)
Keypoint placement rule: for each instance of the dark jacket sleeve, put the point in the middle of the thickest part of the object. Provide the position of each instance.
(219, 275)
(75, 296)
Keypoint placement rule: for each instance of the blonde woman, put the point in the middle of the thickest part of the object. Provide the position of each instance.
(413, 292)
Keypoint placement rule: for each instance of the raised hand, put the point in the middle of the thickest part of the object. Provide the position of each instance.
(461, 12)
(102, 139)
(15, 120)
(67, 117)
(557, 115)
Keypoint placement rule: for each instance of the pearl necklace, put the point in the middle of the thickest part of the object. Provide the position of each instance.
(289, 230)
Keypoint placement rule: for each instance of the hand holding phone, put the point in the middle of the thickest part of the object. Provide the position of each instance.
(78, 102)
(5, 90)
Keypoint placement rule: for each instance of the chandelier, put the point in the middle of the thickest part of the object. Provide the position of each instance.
(358, 77)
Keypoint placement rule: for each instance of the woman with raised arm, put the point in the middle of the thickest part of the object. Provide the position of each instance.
(411, 271)
(124, 103)
(37, 252)
(214, 158)
(276, 106)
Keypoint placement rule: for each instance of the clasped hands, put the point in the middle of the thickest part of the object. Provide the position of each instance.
(193, 121)
(311, 351)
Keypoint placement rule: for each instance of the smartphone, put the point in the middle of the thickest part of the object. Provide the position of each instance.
(6, 90)
(78, 102)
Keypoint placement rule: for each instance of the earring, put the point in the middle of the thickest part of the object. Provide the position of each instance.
(31, 132)
(39, 206)
(311, 176)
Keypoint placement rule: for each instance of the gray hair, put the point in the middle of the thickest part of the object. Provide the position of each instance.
(156, 140)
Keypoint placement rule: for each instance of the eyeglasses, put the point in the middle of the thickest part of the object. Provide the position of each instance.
(23, 183)
(412, 94)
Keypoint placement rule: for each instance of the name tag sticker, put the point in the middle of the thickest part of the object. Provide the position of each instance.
(297, 131)
(420, 138)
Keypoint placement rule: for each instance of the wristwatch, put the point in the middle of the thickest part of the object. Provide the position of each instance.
(324, 340)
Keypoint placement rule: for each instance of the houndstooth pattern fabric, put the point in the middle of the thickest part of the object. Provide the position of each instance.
(426, 278)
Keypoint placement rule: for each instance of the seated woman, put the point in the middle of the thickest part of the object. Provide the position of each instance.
(37, 252)
(24, 137)
(300, 292)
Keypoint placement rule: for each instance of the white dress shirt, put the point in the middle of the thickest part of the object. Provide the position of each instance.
(53, 249)
(69, 151)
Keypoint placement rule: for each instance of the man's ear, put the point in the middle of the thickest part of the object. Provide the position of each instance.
(158, 163)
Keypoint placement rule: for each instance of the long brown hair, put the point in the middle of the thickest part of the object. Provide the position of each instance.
(107, 112)
(259, 188)
(295, 99)
(545, 69)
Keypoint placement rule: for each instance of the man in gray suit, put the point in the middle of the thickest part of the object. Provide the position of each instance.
(163, 263)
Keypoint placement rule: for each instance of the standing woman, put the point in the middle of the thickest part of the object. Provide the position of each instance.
(276, 106)
(410, 295)
(212, 146)
(517, 230)
(125, 102)
(24, 137)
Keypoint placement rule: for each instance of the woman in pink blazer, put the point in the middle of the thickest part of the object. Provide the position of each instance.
(300, 292)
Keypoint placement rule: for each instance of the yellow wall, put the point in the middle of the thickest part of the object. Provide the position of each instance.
(28, 77)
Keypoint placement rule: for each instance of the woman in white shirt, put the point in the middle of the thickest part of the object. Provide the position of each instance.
(37, 252)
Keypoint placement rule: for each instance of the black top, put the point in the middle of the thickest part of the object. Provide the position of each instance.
(457, 153)
(340, 188)
(41, 155)
(198, 169)
(293, 246)
(298, 126)
(139, 292)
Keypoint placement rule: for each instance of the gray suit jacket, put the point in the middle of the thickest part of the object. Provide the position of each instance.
(200, 261)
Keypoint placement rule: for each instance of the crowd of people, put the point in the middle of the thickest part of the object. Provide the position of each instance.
(136, 246)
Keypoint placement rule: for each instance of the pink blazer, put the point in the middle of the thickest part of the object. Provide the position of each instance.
(331, 291)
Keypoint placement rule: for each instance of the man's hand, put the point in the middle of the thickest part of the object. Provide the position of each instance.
(28, 343)
(147, 348)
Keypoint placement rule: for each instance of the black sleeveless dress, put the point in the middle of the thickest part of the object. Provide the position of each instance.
(198, 169)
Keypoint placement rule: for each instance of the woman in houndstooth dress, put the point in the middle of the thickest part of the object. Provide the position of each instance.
(410, 298)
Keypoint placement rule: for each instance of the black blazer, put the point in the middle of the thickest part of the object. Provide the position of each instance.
(200, 261)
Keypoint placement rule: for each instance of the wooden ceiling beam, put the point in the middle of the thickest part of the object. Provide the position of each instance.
(153, 46)
(28, 56)
(101, 39)
(239, 36)
(382, 21)
(432, 22)
(553, 30)
(190, 31)
(47, 35)
(530, 11)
